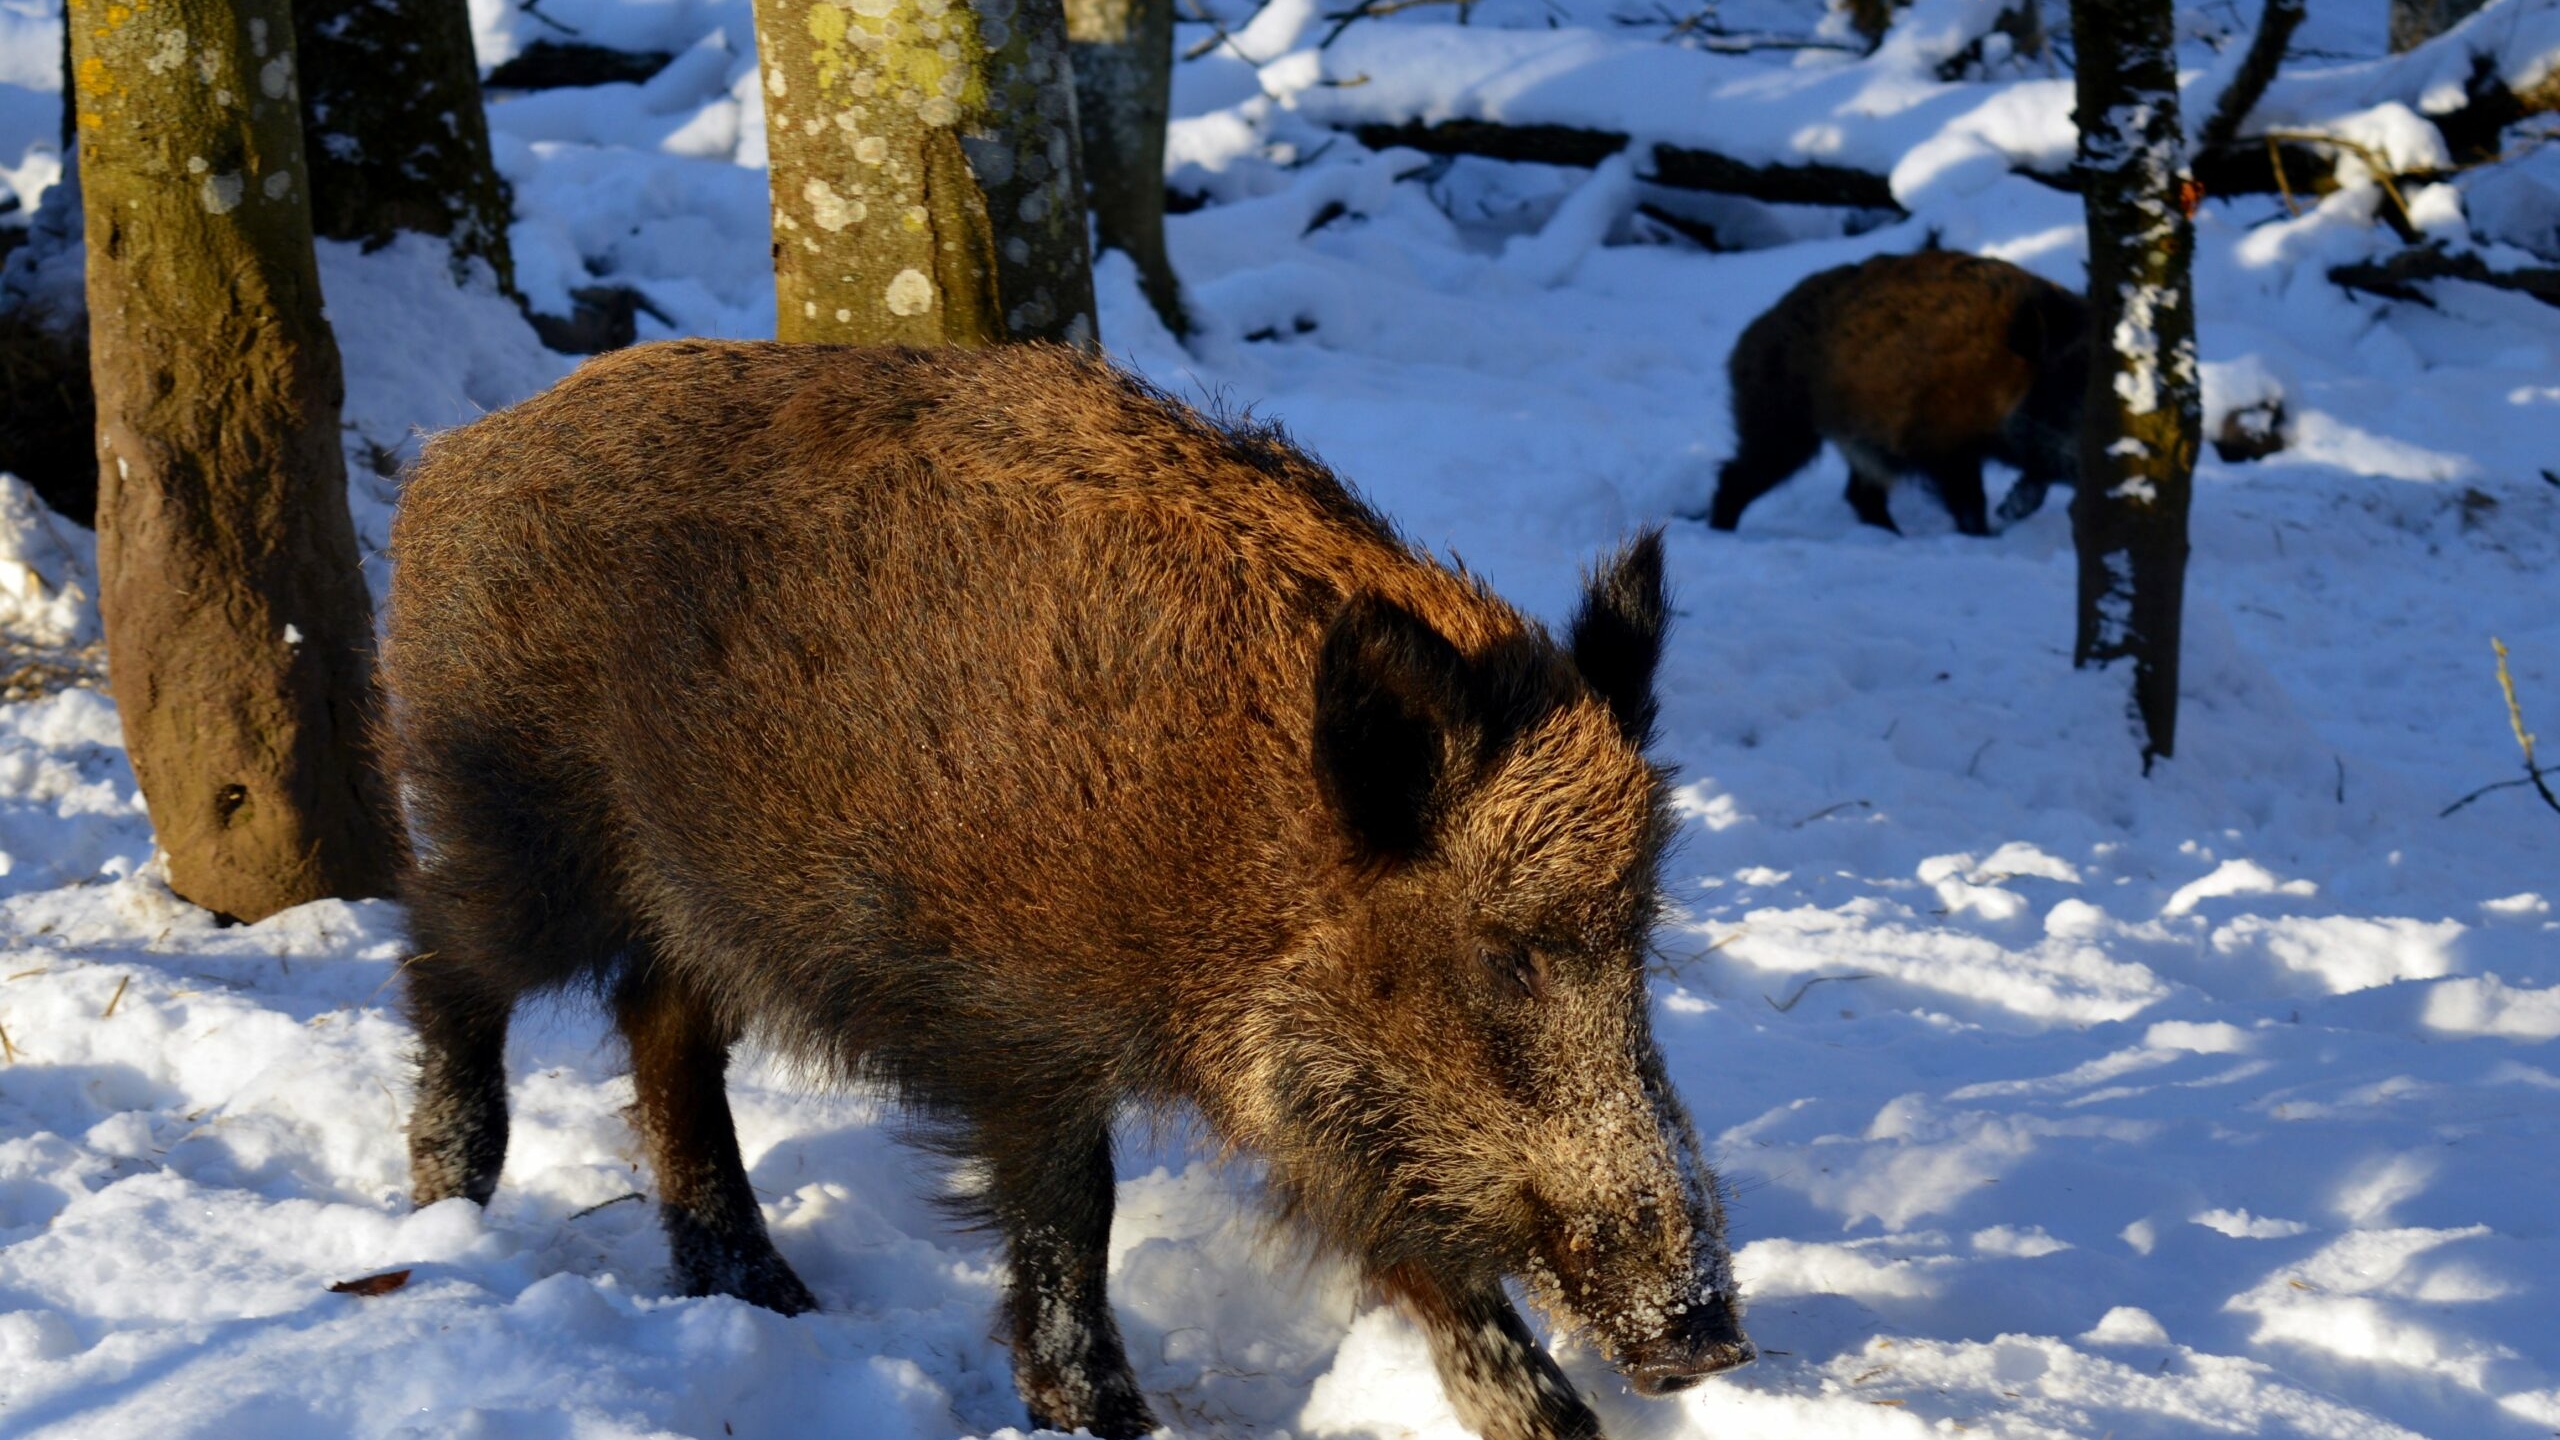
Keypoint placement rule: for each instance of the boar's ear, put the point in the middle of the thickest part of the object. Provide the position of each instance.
(1617, 633)
(1391, 695)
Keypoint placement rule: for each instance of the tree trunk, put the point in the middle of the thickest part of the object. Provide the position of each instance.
(1123, 54)
(397, 136)
(239, 636)
(2415, 22)
(2143, 413)
(925, 185)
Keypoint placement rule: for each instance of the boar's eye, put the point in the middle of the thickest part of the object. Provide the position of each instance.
(1517, 968)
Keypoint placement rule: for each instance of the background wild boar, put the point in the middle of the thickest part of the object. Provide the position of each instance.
(1922, 364)
(987, 724)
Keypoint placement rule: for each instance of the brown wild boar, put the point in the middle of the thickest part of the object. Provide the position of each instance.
(991, 727)
(1923, 365)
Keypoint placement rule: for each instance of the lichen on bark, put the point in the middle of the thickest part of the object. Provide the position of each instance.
(2143, 416)
(239, 636)
(925, 178)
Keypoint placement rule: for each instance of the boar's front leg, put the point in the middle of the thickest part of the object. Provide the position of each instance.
(1959, 482)
(1500, 1380)
(1051, 1196)
(715, 1229)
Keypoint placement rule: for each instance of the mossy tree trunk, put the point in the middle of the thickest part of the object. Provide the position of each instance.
(1123, 58)
(239, 636)
(396, 136)
(925, 180)
(2143, 415)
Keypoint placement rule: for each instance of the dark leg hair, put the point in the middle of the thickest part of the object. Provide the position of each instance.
(1959, 485)
(2024, 498)
(1768, 449)
(679, 1067)
(1866, 495)
(1053, 1206)
(502, 900)
(458, 1129)
(1501, 1382)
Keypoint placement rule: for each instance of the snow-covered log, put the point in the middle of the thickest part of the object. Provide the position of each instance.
(2398, 275)
(1679, 166)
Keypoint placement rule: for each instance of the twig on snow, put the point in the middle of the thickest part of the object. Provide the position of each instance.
(1372, 9)
(1219, 35)
(2374, 164)
(1830, 810)
(603, 1204)
(2534, 772)
(2515, 721)
(532, 8)
(1809, 984)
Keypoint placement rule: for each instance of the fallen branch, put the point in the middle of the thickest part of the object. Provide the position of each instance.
(2397, 277)
(2279, 160)
(1677, 166)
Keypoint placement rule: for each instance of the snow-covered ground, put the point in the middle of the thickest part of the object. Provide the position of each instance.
(2059, 1101)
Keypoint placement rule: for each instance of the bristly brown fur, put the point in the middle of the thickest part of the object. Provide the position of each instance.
(1922, 364)
(992, 726)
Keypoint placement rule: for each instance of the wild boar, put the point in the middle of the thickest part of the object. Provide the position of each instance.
(991, 727)
(1923, 365)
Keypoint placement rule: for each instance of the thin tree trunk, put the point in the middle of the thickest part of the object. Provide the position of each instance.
(925, 184)
(2277, 21)
(2142, 419)
(239, 637)
(1123, 53)
(397, 136)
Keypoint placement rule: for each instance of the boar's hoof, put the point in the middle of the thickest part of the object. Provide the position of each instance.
(1111, 1410)
(709, 1264)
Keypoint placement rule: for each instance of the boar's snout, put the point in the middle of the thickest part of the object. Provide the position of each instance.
(1707, 1339)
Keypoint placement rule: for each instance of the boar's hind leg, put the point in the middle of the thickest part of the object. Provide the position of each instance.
(1866, 495)
(458, 1128)
(679, 1069)
(1053, 1205)
(1769, 446)
(1501, 1382)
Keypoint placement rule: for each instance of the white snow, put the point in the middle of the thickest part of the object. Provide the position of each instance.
(2055, 1101)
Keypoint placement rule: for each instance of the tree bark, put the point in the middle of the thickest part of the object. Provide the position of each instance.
(396, 133)
(239, 635)
(925, 183)
(2143, 413)
(1123, 61)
